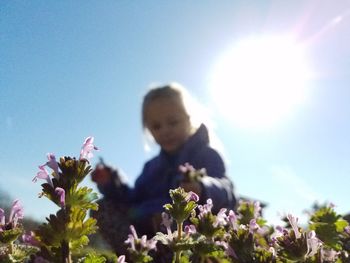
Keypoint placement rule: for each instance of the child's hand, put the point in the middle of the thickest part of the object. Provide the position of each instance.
(101, 175)
(193, 186)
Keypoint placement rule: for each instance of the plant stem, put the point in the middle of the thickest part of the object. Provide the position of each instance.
(66, 255)
(179, 231)
(11, 248)
(179, 234)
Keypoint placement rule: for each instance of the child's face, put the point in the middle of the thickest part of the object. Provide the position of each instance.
(168, 123)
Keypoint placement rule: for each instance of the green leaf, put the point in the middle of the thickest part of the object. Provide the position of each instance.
(10, 235)
(83, 198)
(340, 225)
(93, 258)
(328, 225)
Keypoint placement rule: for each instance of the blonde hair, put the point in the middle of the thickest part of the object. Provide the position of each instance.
(173, 91)
(195, 111)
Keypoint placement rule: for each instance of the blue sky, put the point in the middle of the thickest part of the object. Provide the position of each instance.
(70, 69)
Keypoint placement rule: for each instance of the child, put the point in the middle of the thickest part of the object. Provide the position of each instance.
(166, 116)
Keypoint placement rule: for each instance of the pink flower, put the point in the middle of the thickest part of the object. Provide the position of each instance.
(121, 259)
(87, 148)
(52, 163)
(148, 244)
(205, 209)
(313, 244)
(30, 239)
(15, 214)
(294, 223)
(62, 195)
(42, 174)
(253, 226)
(347, 230)
(132, 238)
(167, 222)
(186, 168)
(192, 196)
(257, 209)
(190, 229)
(232, 219)
(221, 218)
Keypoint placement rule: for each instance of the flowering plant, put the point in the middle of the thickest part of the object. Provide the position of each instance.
(242, 236)
(10, 231)
(193, 232)
(66, 231)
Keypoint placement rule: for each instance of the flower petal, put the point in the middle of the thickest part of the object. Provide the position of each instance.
(62, 194)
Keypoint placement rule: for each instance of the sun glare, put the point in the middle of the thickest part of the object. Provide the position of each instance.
(259, 80)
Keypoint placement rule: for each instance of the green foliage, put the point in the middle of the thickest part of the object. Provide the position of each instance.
(263, 256)
(245, 237)
(66, 232)
(205, 249)
(249, 211)
(9, 235)
(92, 258)
(328, 225)
(19, 253)
(293, 248)
(84, 198)
(242, 241)
(206, 226)
(238, 237)
(181, 208)
(93, 253)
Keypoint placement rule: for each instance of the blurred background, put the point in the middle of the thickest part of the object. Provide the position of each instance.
(273, 77)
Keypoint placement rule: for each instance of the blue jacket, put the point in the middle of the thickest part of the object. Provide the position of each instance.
(160, 174)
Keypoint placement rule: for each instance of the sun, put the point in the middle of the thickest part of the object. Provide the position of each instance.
(260, 80)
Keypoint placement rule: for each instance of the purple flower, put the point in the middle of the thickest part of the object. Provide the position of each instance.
(132, 237)
(221, 218)
(87, 148)
(15, 214)
(148, 244)
(294, 223)
(192, 196)
(232, 219)
(52, 163)
(253, 226)
(205, 209)
(30, 239)
(347, 230)
(186, 168)
(329, 255)
(313, 244)
(190, 229)
(167, 222)
(42, 174)
(144, 244)
(121, 259)
(62, 195)
(257, 209)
